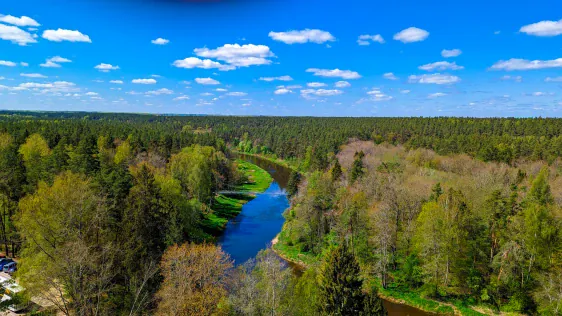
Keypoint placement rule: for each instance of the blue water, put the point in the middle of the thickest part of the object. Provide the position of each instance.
(259, 222)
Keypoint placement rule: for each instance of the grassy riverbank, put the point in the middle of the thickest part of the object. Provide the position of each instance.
(227, 206)
(289, 164)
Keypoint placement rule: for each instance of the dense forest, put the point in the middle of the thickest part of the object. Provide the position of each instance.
(117, 213)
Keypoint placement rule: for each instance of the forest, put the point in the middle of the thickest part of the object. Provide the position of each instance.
(114, 214)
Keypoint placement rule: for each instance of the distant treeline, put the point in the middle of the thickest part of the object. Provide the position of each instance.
(489, 139)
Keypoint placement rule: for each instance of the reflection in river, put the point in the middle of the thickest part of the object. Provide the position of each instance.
(262, 219)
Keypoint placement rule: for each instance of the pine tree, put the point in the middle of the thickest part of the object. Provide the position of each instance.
(293, 184)
(436, 192)
(357, 167)
(340, 286)
(336, 171)
(373, 306)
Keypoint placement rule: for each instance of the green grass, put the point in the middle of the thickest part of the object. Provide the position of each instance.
(225, 207)
(258, 180)
(292, 164)
(293, 253)
(414, 299)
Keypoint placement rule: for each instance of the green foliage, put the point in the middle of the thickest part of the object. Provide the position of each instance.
(336, 171)
(293, 184)
(341, 286)
(357, 167)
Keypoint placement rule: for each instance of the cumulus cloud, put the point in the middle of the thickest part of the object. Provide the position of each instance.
(238, 55)
(181, 98)
(220, 90)
(376, 95)
(390, 76)
(33, 75)
(320, 92)
(441, 65)
(553, 79)
(316, 84)
(237, 94)
(281, 78)
(54, 62)
(514, 78)
(434, 79)
(342, 84)
(337, 73)
(106, 67)
(303, 36)
(16, 35)
(525, 64)
(91, 93)
(451, 52)
(160, 91)
(21, 21)
(66, 35)
(144, 81)
(366, 39)
(207, 81)
(160, 41)
(282, 90)
(116, 81)
(436, 95)
(7, 63)
(24, 64)
(49, 87)
(194, 62)
(543, 28)
(411, 34)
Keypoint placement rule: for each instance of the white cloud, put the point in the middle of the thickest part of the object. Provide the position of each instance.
(106, 67)
(451, 52)
(116, 81)
(316, 84)
(364, 40)
(404, 91)
(344, 74)
(543, 28)
(16, 35)
(65, 35)
(436, 95)
(21, 21)
(320, 92)
(281, 78)
(390, 76)
(54, 62)
(283, 90)
(220, 90)
(237, 94)
(376, 95)
(194, 62)
(411, 34)
(180, 98)
(553, 79)
(238, 55)
(434, 79)
(303, 36)
(7, 63)
(160, 91)
(144, 81)
(539, 94)
(160, 41)
(91, 93)
(440, 65)
(34, 75)
(206, 81)
(524, 64)
(50, 87)
(342, 84)
(24, 64)
(514, 78)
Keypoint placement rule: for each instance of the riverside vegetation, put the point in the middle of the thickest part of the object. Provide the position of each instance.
(117, 213)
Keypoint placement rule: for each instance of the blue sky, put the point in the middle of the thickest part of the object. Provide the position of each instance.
(260, 57)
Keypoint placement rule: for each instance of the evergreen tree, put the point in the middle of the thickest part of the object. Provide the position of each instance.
(357, 167)
(373, 306)
(293, 184)
(436, 192)
(340, 285)
(336, 171)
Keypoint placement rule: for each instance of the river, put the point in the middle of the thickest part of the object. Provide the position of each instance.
(261, 220)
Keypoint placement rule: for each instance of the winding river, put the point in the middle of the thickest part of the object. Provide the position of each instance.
(261, 220)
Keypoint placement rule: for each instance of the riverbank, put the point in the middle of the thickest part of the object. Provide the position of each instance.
(226, 206)
(293, 164)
